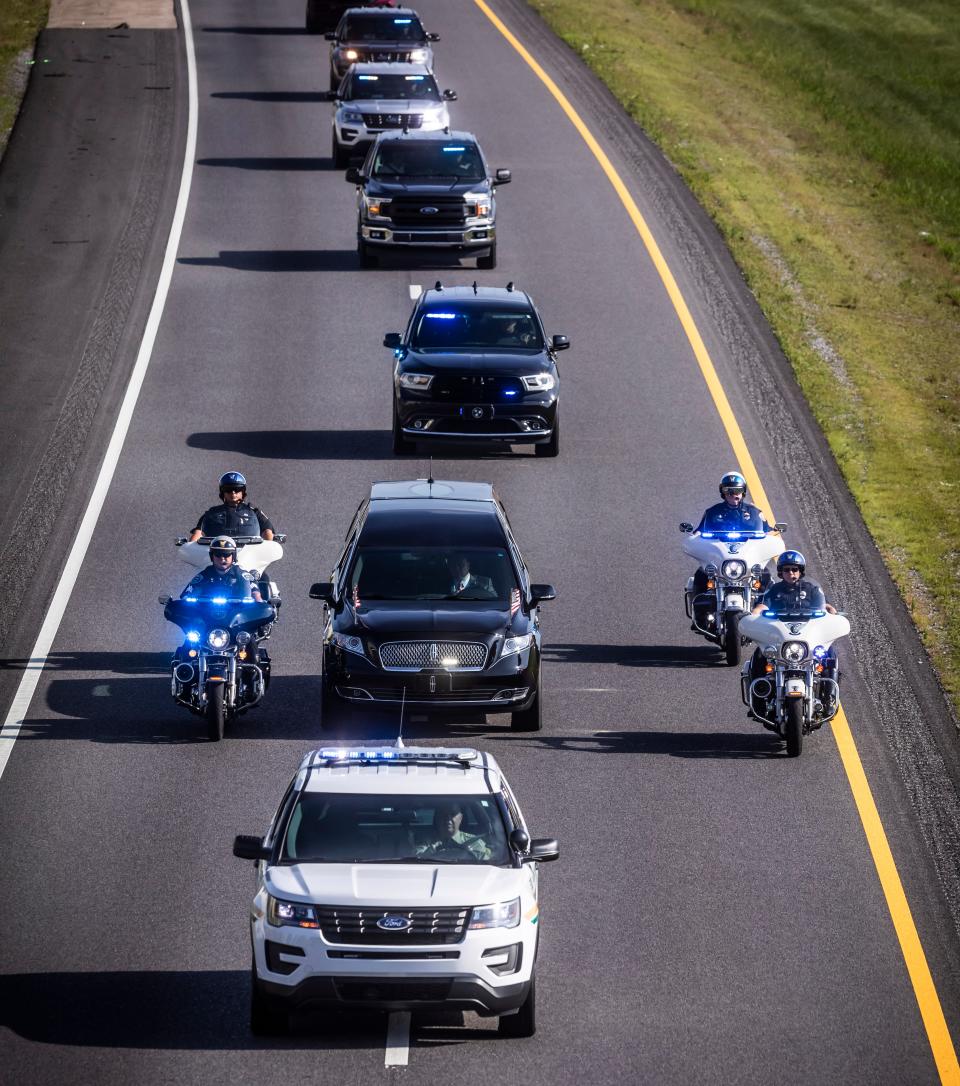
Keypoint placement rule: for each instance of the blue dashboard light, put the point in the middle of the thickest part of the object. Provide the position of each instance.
(403, 22)
(449, 147)
(189, 599)
(411, 78)
(769, 614)
(818, 614)
(441, 316)
(368, 78)
(509, 392)
(193, 637)
(733, 535)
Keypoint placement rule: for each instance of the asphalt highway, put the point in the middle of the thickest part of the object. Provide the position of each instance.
(716, 915)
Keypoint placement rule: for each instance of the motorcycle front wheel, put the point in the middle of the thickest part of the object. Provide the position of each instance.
(216, 711)
(731, 640)
(794, 727)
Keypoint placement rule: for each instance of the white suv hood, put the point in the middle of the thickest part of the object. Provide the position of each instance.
(394, 885)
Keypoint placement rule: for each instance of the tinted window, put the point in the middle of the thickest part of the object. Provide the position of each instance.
(431, 573)
(346, 828)
(385, 27)
(421, 88)
(433, 158)
(504, 327)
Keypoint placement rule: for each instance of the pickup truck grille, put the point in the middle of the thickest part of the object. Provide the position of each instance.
(409, 211)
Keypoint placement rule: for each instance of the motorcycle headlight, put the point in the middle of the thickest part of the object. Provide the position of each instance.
(376, 207)
(516, 644)
(244, 637)
(290, 914)
(505, 914)
(348, 643)
(351, 116)
(539, 382)
(418, 381)
(794, 651)
(734, 569)
(218, 639)
(418, 56)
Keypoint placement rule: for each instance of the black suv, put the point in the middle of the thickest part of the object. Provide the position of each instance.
(427, 191)
(431, 604)
(392, 34)
(474, 364)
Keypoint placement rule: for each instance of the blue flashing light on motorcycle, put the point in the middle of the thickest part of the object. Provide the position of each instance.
(193, 636)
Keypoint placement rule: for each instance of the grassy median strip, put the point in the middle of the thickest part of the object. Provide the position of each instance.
(20, 23)
(823, 137)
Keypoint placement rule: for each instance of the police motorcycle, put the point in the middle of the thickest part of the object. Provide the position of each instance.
(799, 689)
(217, 672)
(734, 563)
(254, 556)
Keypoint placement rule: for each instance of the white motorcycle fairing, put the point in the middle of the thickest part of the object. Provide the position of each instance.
(254, 554)
(753, 548)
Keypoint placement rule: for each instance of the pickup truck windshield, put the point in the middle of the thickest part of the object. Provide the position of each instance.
(451, 162)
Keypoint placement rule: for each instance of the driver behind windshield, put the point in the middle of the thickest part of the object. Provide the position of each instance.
(363, 86)
(447, 836)
(402, 158)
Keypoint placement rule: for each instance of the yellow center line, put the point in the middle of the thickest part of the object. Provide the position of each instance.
(925, 991)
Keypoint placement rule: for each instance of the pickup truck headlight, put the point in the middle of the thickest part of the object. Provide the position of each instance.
(418, 56)
(539, 382)
(348, 643)
(290, 914)
(377, 208)
(351, 116)
(418, 381)
(478, 203)
(505, 914)
(516, 644)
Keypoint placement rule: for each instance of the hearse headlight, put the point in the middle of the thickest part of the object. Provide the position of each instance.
(218, 638)
(348, 643)
(539, 382)
(794, 651)
(517, 644)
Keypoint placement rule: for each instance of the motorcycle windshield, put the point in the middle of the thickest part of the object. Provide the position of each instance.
(716, 527)
(195, 613)
(794, 610)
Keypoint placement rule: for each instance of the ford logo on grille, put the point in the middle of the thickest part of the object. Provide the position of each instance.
(429, 210)
(394, 923)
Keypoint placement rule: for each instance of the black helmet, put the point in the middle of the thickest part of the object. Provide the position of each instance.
(223, 544)
(234, 480)
(791, 558)
(733, 480)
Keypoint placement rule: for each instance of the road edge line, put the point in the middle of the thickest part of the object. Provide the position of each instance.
(918, 969)
(20, 706)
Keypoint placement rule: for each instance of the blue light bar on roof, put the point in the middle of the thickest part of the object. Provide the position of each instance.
(442, 316)
(392, 754)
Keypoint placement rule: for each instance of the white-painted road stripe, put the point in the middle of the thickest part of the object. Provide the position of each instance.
(20, 706)
(398, 1040)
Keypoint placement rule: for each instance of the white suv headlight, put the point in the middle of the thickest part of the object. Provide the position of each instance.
(418, 56)
(505, 914)
(218, 639)
(516, 644)
(290, 914)
(351, 116)
(419, 381)
(539, 382)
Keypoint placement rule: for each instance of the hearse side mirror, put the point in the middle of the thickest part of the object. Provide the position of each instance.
(393, 340)
(686, 526)
(246, 847)
(542, 850)
(560, 343)
(163, 600)
(322, 590)
(503, 177)
(449, 95)
(354, 176)
(541, 593)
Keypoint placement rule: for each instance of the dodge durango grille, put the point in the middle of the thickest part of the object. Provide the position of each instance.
(416, 655)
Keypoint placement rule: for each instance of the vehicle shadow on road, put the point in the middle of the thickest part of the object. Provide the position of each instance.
(298, 444)
(278, 260)
(274, 96)
(267, 162)
(174, 1009)
(280, 31)
(659, 656)
(735, 745)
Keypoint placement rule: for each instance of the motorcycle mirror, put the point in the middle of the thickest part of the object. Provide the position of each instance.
(280, 537)
(780, 526)
(163, 600)
(685, 526)
(180, 540)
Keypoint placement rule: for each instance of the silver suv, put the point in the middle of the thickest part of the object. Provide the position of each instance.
(420, 190)
(375, 98)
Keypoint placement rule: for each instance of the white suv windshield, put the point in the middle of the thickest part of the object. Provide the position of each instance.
(420, 88)
(329, 827)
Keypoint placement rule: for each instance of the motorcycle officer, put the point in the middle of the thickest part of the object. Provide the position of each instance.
(235, 516)
(733, 514)
(796, 592)
(223, 574)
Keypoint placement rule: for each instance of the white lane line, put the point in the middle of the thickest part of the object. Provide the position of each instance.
(20, 706)
(398, 1040)
(415, 291)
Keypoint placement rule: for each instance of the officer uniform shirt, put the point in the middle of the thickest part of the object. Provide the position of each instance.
(211, 582)
(735, 518)
(805, 595)
(243, 519)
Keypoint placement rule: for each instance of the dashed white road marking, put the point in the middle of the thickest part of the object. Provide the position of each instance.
(398, 1040)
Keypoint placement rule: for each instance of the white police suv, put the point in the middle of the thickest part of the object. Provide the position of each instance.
(399, 878)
